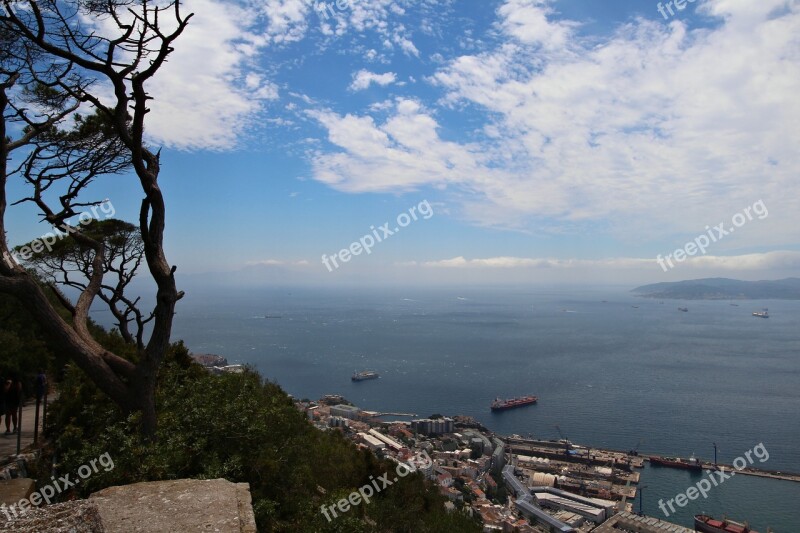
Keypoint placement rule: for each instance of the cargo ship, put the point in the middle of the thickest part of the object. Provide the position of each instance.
(502, 405)
(676, 462)
(365, 375)
(707, 524)
(762, 314)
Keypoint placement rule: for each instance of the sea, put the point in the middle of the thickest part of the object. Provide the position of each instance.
(610, 369)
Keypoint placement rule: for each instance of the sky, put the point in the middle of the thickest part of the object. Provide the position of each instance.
(530, 141)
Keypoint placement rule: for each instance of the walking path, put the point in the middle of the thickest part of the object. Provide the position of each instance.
(8, 443)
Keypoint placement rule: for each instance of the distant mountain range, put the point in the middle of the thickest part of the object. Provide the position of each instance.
(723, 289)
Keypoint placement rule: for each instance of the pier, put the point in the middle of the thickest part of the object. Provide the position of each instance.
(748, 471)
(584, 466)
(376, 414)
(588, 471)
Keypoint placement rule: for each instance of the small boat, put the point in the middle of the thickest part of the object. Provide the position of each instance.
(676, 462)
(365, 375)
(683, 309)
(762, 314)
(707, 524)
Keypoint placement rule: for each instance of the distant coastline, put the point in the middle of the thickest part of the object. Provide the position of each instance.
(722, 289)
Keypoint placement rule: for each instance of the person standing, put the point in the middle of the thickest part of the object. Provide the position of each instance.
(2, 398)
(13, 396)
(41, 385)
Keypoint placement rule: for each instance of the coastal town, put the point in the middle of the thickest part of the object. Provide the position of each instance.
(507, 483)
(510, 483)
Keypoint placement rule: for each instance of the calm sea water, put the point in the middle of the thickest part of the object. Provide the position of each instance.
(610, 370)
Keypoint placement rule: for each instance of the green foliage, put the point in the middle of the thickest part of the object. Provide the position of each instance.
(22, 348)
(241, 428)
(114, 233)
(25, 348)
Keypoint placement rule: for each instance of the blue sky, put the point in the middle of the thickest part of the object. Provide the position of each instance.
(556, 141)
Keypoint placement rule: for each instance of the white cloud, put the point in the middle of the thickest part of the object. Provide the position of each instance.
(527, 20)
(287, 20)
(379, 16)
(277, 262)
(207, 92)
(406, 45)
(402, 153)
(778, 260)
(535, 263)
(670, 127)
(364, 78)
(211, 91)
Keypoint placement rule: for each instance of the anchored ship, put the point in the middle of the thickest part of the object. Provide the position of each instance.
(502, 405)
(676, 462)
(762, 314)
(707, 524)
(366, 374)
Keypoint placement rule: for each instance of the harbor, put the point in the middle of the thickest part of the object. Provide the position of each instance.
(570, 452)
(553, 483)
(614, 476)
(587, 471)
(548, 483)
(747, 471)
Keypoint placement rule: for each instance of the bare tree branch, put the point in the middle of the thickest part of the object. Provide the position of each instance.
(50, 64)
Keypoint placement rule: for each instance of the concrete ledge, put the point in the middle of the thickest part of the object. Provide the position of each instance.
(180, 505)
(246, 514)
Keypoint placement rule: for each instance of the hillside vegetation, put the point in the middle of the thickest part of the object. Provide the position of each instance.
(244, 429)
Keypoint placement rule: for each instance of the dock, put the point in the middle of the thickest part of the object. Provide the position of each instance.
(588, 471)
(748, 471)
(601, 473)
(628, 521)
(376, 414)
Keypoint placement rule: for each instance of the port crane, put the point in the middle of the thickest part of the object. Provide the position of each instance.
(565, 440)
(635, 450)
(634, 453)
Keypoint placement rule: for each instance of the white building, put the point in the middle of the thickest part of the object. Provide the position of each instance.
(347, 411)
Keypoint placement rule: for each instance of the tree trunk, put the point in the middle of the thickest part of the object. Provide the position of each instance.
(124, 63)
(147, 406)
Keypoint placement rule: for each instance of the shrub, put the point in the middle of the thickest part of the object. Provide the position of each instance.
(244, 429)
